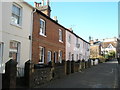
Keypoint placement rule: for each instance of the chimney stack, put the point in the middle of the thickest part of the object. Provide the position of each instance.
(37, 4)
(70, 29)
(91, 42)
(42, 2)
(47, 2)
(43, 8)
(55, 18)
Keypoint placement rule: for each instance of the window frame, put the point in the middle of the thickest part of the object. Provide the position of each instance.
(69, 38)
(50, 52)
(1, 56)
(60, 56)
(43, 56)
(20, 16)
(69, 55)
(42, 29)
(15, 50)
(60, 35)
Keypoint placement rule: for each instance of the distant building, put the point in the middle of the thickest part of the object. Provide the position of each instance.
(76, 47)
(103, 47)
(95, 48)
(109, 45)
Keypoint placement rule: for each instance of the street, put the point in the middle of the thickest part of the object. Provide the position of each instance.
(103, 75)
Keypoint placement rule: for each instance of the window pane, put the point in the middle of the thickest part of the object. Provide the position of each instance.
(49, 56)
(16, 10)
(41, 54)
(42, 27)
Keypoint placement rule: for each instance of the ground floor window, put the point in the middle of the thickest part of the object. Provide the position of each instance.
(72, 56)
(42, 55)
(49, 57)
(60, 56)
(1, 56)
(14, 51)
(77, 57)
(69, 56)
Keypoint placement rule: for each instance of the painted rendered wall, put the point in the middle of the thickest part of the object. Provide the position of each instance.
(71, 47)
(12, 32)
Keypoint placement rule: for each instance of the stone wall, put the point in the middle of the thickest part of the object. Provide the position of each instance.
(41, 76)
(77, 66)
(59, 71)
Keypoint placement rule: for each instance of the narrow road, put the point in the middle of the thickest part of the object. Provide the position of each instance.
(103, 75)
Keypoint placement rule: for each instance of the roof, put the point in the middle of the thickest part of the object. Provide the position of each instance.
(59, 24)
(106, 44)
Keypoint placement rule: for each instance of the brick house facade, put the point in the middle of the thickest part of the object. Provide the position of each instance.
(48, 43)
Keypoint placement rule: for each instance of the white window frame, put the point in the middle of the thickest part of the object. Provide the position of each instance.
(69, 55)
(43, 30)
(19, 16)
(1, 56)
(60, 36)
(77, 57)
(43, 56)
(69, 38)
(49, 58)
(18, 45)
(60, 56)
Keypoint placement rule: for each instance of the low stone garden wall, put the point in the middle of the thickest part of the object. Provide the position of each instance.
(59, 71)
(41, 76)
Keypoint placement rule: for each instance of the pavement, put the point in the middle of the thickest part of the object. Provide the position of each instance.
(103, 75)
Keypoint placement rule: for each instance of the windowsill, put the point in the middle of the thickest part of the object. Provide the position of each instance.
(60, 41)
(41, 62)
(16, 25)
(43, 35)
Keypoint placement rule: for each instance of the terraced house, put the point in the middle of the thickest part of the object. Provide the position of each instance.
(15, 32)
(48, 37)
(76, 47)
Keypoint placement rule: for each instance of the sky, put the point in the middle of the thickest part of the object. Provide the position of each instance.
(96, 19)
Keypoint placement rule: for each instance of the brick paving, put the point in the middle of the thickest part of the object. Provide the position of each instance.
(104, 75)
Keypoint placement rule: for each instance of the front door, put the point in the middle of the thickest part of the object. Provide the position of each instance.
(55, 57)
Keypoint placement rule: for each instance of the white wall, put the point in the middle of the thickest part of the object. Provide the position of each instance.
(71, 47)
(20, 34)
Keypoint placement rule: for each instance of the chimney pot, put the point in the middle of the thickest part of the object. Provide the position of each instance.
(55, 18)
(42, 2)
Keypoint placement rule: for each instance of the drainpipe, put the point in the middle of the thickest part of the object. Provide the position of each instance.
(30, 37)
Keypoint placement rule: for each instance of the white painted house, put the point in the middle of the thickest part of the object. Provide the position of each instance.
(14, 35)
(76, 47)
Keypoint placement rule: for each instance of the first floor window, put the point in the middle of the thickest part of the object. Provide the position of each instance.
(49, 58)
(16, 14)
(60, 35)
(42, 54)
(69, 39)
(60, 56)
(42, 27)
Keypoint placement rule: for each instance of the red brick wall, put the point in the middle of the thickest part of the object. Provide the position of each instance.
(51, 42)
